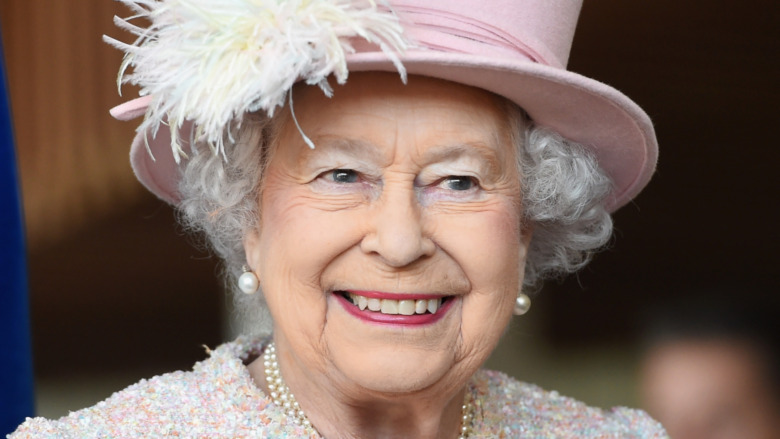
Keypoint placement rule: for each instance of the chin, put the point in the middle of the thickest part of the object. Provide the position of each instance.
(393, 359)
(393, 369)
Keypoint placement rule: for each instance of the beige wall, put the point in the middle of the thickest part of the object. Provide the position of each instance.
(72, 155)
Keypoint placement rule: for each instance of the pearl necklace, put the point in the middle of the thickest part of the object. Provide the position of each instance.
(282, 397)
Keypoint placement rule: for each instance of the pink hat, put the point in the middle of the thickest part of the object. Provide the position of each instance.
(515, 48)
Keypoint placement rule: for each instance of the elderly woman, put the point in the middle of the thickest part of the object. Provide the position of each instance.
(388, 222)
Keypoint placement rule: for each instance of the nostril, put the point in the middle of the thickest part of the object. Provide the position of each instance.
(398, 235)
(428, 246)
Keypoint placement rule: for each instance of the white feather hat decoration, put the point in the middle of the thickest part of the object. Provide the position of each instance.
(212, 61)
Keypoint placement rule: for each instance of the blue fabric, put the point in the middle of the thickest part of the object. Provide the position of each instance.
(16, 375)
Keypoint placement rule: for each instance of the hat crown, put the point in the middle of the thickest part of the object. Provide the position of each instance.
(540, 30)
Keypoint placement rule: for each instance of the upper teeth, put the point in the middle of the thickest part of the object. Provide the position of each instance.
(390, 306)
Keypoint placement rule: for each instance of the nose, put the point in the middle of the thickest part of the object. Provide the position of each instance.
(398, 235)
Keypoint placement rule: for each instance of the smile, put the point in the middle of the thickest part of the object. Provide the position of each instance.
(405, 307)
(381, 308)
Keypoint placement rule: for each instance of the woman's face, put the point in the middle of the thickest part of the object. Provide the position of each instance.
(410, 200)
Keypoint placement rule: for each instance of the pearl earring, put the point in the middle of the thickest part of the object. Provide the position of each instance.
(248, 282)
(522, 304)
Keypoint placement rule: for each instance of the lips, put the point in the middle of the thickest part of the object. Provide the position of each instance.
(394, 308)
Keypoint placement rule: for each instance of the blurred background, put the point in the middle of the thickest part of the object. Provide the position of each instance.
(118, 292)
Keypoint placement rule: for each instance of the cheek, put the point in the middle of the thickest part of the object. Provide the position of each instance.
(297, 242)
(487, 244)
(490, 249)
(299, 237)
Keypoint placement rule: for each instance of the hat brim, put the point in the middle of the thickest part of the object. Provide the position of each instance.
(581, 109)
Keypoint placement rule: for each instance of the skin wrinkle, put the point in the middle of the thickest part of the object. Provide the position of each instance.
(414, 404)
(563, 242)
(413, 374)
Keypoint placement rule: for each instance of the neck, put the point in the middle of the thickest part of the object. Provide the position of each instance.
(337, 410)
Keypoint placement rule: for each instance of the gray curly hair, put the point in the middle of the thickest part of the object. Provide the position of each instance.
(564, 191)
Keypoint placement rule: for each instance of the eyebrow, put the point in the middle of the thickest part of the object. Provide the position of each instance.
(353, 147)
(450, 152)
(447, 152)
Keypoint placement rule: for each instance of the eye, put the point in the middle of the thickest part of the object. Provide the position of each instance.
(458, 183)
(342, 175)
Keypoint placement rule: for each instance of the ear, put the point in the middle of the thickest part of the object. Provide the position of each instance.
(527, 234)
(252, 248)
